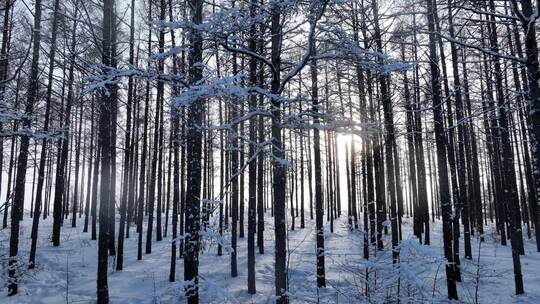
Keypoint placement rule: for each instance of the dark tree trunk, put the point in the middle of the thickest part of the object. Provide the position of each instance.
(155, 152)
(127, 149)
(389, 144)
(90, 176)
(253, 151)
(142, 176)
(22, 160)
(260, 167)
(533, 71)
(440, 141)
(279, 167)
(76, 199)
(319, 200)
(107, 108)
(4, 64)
(95, 182)
(194, 136)
(234, 178)
(61, 170)
(462, 141)
(43, 154)
(509, 190)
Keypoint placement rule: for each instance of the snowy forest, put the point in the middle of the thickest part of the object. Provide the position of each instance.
(269, 151)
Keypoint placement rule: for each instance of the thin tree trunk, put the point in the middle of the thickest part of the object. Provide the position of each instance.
(253, 151)
(90, 176)
(127, 149)
(440, 141)
(510, 185)
(76, 195)
(59, 185)
(18, 200)
(319, 201)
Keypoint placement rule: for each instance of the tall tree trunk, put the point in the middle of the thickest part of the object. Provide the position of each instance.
(60, 182)
(279, 166)
(161, 97)
(155, 149)
(253, 151)
(18, 200)
(143, 173)
(319, 200)
(90, 176)
(95, 184)
(260, 163)
(528, 18)
(234, 176)
(510, 185)
(43, 154)
(127, 149)
(107, 106)
(76, 199)
(4, 63)
(389, 144)
(461, 168)
(440, 141)
(194, 136)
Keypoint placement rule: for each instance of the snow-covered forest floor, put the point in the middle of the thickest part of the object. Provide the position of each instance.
(67, 274)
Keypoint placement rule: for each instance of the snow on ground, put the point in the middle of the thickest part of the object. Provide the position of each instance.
(67, 274)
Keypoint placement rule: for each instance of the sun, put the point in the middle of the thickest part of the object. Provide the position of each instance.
(345, 141)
